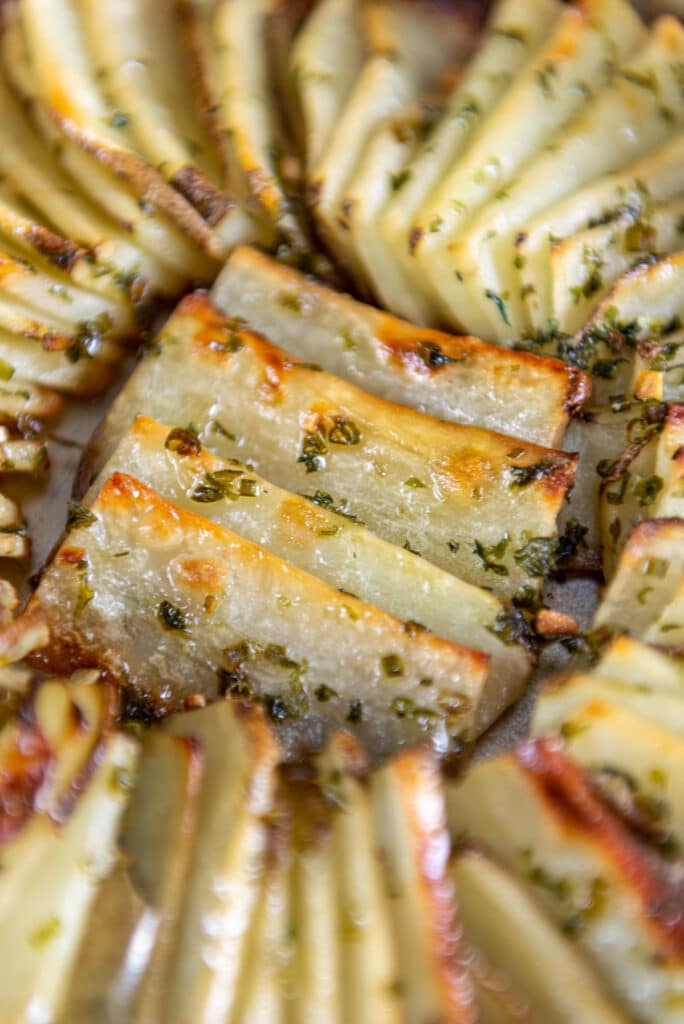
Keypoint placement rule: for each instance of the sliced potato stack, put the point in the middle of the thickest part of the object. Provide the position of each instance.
(435, 487)
(182, 605)
(65, 779)
(566, 872)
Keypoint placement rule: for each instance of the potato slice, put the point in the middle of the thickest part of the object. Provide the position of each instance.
(58, 872)
(585, 868)
(411, 829)
(325, 60)
(369, 965)
(316, 974)
(510, 930)
(158, 834)
(659, 368)
(227, 863)
(184, 607)
(635, 111)
(73, 372)
(637, 763)
(438, 487)
(32, 172)
(642, 599)
(230, 37)
(454, 378)
(562, 697)
(408, 45)
(646, 481)
(583, 46)
(53, 301)
(78, 106)
(515, 28)
(263, 989)
(18, 399)
(636, 663)
(654, 178)
(585, 266)
(642, 306)
(339, 551)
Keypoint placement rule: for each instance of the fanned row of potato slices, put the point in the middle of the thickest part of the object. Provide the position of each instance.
(189, 874)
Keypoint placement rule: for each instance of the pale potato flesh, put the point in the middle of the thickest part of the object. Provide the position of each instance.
(438, 487)
(334, 548)
(454, 378)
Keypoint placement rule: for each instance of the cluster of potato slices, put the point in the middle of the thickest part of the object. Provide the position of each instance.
(263, 502)
(192, 873)
(446, 211)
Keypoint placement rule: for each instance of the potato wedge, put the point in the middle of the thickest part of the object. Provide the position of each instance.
(454, 378)
(635, 111)
(412, 479)
(58, 872)
(224, 616)
(637, 763)
(410, 825)
(655, 178)
(583, 46)
(646, 481)
(227, 862)
(584, 867)
(369, 965)
(644, 597)
(325, 60)
(519, 942)
(323, 542)
(512, 33)
(408, 45)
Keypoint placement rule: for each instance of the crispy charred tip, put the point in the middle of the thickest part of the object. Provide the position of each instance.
(60, 251)
(579, 390)
(212, 204)
(550, 623)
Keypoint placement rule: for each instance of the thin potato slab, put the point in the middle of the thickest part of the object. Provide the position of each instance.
(183, 606)
(452, 377)
(326, 543)
(437, 487)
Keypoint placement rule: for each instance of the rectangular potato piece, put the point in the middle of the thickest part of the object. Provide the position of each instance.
(644, 596)
(182, 606)
(636, 663)
(228, 860)
(337, 550)
(454, 378)
(514, 29)
(369, 963)
(31, 362)
(584, 867)
(325, 60)
(510, 930)
(438, 487)
(410, 824)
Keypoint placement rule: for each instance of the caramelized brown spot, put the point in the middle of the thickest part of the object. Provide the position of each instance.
(210, 202)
